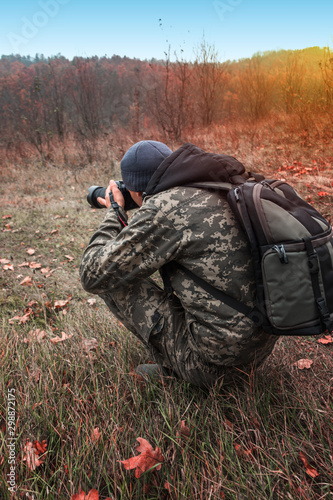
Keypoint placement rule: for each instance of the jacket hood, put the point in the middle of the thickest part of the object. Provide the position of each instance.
(190, 164)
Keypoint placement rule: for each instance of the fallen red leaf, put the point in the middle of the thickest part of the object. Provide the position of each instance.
(326, 340)
(147, 459)
(32, 453)
(57, 339)
(22, 319)
(31, 251)
(47, 271)
(26, 281)
(95, 434)
(8, 267)
(309, 470)
(92, 495)
(79, 496)
(61, 303)
(304, 363)
(35, 265)
(32, 303)
(41, 448)
(4, 261)
(7, 216)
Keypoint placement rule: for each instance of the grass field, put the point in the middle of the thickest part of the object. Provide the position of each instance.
(78, 406)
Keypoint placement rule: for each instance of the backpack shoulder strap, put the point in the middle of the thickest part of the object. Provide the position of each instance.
(235, 180)
(250, 312)
(213, 186)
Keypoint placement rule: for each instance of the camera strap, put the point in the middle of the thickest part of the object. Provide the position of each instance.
(115, 207)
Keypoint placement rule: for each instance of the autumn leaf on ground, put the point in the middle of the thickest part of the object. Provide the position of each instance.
(147, 459)
(168, 486)
(22, 319)
(309, 470)
(31, 251)
(92, 495)
(26, 281)
(304, 363)
(58, 304)
(4, 261)
(8, 267)
(24, 264)
(47, 271)
(35, 265)
(32, 453)
(37, 335)
(91, 302)
(326, 340)
(95, 434)
(69, 257)
(7, 216)
(32, 303)
(64, 336)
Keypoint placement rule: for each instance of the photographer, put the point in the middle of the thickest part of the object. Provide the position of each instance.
(188, 332)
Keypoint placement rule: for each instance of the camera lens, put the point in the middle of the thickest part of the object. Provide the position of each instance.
(95, 192)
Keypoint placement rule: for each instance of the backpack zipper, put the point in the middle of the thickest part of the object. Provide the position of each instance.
(281, 251)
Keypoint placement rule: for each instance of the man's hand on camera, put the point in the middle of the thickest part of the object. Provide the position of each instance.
(116, 193)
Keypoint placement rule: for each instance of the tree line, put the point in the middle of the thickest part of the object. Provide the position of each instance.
(46, 101)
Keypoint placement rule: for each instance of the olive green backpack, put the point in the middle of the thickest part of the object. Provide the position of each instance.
(292, 251)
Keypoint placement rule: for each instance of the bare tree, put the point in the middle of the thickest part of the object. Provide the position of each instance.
(169, 96)
(210, 78)
(87, 98)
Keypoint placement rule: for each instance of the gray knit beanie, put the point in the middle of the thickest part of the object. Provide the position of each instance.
(140, 162)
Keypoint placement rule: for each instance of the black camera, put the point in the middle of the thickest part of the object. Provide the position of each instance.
(95, 192)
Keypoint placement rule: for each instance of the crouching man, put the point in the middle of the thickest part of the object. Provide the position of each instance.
(188, 332)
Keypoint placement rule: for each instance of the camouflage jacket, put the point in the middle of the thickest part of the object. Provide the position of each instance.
(196, 228)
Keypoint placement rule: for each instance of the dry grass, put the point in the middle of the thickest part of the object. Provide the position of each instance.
(245, 442)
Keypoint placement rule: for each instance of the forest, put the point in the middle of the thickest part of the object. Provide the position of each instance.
(61, 111)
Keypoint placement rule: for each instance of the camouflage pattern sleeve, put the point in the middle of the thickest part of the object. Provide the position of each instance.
(114, 257)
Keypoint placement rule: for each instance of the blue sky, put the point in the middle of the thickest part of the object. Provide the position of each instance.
(237, 28)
